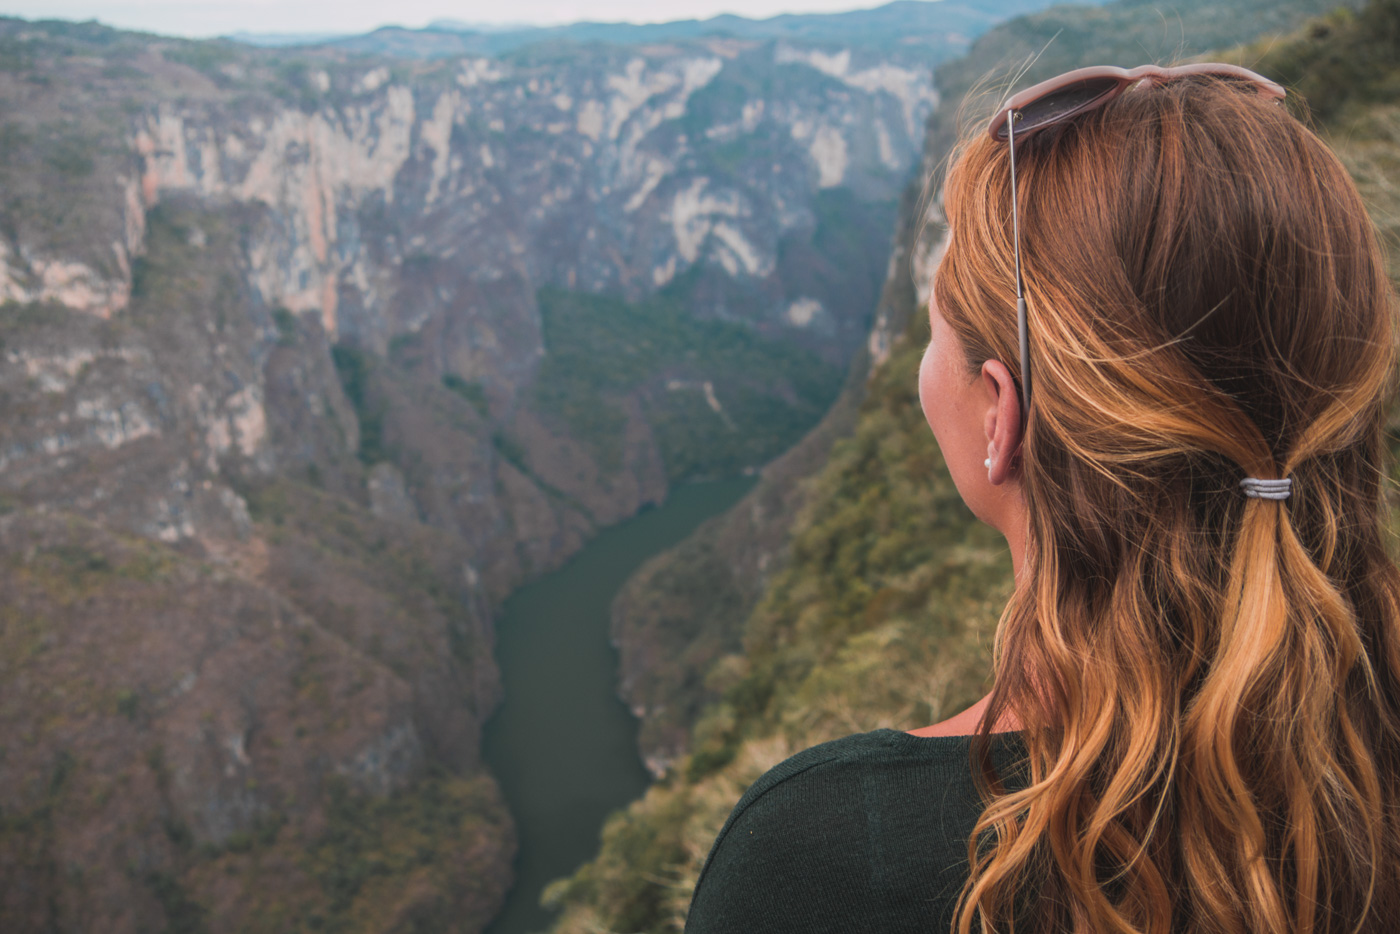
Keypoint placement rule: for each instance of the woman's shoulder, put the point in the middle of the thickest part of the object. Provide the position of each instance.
(877, 755)
(860, 750)
(866, 823)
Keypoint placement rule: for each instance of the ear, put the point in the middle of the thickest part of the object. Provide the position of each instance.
(1002, 423)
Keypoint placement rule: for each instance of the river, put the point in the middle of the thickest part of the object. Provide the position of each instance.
(562, 745)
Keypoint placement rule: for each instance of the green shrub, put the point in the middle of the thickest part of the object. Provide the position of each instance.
(354, 367)
(286, 324)
(473, 392)
(183, 915)
(128, 701)
(206, 57)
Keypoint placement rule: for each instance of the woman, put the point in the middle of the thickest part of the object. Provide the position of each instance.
(1195, 724)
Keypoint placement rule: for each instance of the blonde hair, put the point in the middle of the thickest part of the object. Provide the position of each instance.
(1209, 685)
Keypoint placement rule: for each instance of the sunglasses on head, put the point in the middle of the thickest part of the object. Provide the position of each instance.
(1067, 96)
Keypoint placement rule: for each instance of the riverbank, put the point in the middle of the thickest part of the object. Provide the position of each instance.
(563, 746)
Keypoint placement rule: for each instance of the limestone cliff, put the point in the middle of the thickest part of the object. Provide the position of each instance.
(413, 212)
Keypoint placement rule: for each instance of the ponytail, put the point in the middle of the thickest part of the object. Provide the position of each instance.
(1208, 682)
(1268, 733)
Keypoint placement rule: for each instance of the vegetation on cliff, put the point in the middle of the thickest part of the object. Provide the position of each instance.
(719, 396)
(122, 810)
(883, 611)
(261, 711)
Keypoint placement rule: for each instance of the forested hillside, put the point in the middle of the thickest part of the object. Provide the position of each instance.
(882, 611)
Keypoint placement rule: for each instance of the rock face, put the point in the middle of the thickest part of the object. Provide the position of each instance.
(412, 213)
(685, 610)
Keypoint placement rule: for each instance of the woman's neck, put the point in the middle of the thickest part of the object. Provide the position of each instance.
(965, 723)
(1013, 522)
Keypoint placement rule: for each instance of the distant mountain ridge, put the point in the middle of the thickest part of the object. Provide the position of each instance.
(943, 25)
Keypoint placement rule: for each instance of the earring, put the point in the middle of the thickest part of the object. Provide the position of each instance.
(987, 463)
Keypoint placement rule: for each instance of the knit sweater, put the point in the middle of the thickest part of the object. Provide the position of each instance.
(866, 833)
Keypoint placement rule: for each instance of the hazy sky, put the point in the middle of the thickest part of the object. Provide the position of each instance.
(219, 17)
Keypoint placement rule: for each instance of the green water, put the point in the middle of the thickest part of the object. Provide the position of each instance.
(562, 745)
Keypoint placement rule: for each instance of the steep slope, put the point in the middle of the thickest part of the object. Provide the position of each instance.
(881, 611)
(212, 674)
(212, 757)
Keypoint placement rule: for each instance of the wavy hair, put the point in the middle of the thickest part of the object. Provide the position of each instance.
(1209, 685)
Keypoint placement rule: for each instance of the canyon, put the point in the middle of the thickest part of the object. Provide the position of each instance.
(311, 356)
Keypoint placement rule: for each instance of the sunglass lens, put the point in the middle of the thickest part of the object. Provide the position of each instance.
(1063, 103)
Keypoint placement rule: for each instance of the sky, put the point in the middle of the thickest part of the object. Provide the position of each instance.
(201, 18)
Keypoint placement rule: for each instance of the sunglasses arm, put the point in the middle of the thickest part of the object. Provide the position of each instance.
(1022, 335)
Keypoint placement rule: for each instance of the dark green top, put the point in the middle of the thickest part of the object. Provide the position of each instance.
(866, 833)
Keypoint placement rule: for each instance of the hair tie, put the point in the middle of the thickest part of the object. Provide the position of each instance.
(1255, 488)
